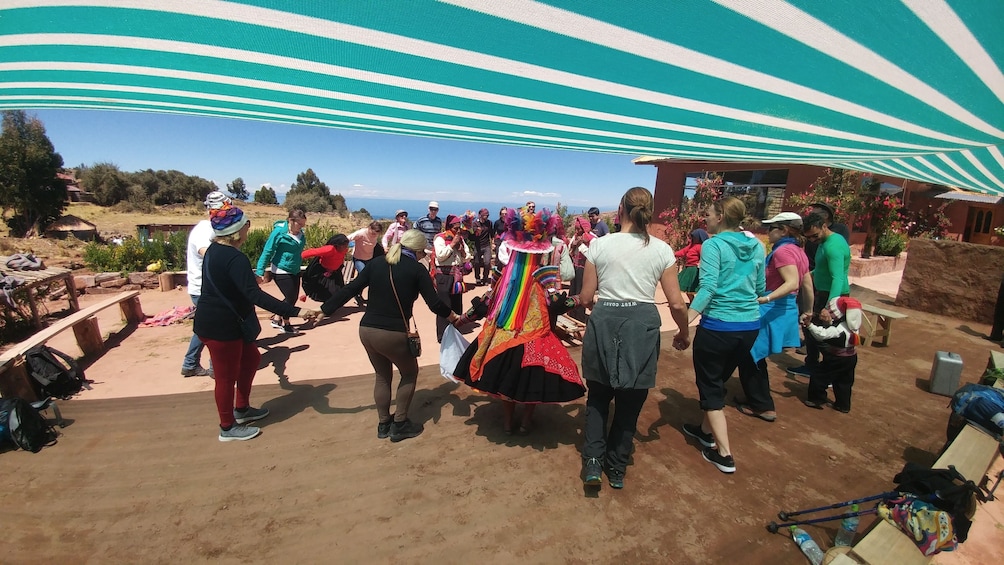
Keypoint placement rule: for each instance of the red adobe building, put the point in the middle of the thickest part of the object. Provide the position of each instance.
(973, 216)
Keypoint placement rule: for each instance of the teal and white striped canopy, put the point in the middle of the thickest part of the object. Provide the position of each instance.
(911, 88)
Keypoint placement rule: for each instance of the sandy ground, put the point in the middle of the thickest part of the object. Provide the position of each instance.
(139, 477)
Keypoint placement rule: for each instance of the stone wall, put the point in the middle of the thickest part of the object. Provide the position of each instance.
(952, 278)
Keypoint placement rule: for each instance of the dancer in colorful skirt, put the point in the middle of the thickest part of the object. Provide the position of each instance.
(517, 357)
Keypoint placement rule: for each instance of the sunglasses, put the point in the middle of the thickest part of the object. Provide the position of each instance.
(434, 209)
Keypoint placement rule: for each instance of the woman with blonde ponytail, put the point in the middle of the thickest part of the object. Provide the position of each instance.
(383, 328)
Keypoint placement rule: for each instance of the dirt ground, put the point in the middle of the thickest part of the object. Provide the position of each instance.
(143, 479)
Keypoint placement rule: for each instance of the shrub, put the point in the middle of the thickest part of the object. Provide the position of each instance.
(890, 244)
(134, 255)
(255, 244)
(308, 202)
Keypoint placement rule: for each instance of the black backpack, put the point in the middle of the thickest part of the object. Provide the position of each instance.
(946, 489)
(52, 377)
(22, 425)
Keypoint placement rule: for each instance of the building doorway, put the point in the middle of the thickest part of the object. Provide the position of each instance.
(979, 225)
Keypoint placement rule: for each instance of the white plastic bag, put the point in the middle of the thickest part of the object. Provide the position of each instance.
(450, 352)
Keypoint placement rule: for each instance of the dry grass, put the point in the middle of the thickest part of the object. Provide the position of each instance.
(112, 222)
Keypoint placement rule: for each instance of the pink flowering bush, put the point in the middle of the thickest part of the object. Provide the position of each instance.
(689, 216)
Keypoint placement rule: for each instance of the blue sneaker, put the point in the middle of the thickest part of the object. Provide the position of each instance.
(615, 478)
(592, 472)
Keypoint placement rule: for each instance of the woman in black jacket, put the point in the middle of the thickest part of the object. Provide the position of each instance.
(395, 281)
(226, 322)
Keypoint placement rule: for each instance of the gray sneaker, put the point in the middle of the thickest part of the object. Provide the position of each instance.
(250, 414)
(197, 371)
(238, 432)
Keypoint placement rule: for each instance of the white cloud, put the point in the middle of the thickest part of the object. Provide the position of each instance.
(357, 186)
(537, 194)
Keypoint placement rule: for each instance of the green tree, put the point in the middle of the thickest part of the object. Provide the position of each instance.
(106, 182)
(312, 195)
(265, 195)
(237, 189)
(29, 181)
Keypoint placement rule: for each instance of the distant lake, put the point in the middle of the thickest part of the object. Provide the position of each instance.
(383, 208)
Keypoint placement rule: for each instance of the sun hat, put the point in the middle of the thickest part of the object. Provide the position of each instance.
(227, 221)
(216, 200)
(786, 219)
(530, 233)
(434, 204)
(399, 212)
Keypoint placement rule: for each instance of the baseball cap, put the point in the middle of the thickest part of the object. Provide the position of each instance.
(399, 212)
(786, 218)
(434, 204)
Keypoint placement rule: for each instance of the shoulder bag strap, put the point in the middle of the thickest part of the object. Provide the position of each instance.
(407, 326)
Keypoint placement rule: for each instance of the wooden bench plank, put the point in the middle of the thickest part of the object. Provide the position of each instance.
(885, 544)
(972, 452)
(996, 360)
(64, 324)
(881, 327)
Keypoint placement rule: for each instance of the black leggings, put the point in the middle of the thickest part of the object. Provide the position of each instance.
(289, 286)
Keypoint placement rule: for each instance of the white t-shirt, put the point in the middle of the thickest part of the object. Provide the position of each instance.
(626, 268)
(200, 237)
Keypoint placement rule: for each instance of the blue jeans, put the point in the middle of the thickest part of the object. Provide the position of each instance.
(194, 354)
(360, 265)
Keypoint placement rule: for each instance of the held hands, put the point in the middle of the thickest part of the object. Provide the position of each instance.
(681, 341)
(805, 319)
(310, 314)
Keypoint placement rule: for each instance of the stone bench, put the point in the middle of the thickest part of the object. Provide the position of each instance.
(881, 326)
(14, 378)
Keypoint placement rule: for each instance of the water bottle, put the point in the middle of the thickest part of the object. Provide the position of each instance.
(807, 545)
(848, 529)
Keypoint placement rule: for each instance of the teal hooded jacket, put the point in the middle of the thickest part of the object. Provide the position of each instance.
(732, 277)
(281, 250)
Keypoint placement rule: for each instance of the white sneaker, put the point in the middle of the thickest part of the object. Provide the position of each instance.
(276, 325)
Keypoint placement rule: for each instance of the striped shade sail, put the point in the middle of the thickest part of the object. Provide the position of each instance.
(910, 88)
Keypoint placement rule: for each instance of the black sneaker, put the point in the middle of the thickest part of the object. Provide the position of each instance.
(383, 430)
(404, 430)
(802, 371)
(592, 472)
(615, 478)
(695, 431)
(725, 463)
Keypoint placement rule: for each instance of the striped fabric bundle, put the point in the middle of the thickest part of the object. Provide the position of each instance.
(509, 311)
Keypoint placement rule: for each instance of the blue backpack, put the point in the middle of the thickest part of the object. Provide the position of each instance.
(982, 406)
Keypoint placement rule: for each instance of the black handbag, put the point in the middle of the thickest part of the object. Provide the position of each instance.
(414, 340)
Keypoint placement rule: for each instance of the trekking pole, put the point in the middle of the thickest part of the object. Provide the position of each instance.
(773, 527)
(990, 493)
(786, 515)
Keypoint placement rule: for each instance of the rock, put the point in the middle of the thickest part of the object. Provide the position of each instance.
(952, 278)
(114, 283)
(84, 281)
(143, 278)
(131, 287)
(100, 290)
(102, 277)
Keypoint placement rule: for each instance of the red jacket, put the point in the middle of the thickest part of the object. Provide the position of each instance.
(331, 258)
(690, 255)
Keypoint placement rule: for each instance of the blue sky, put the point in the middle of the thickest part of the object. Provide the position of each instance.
(352, 163)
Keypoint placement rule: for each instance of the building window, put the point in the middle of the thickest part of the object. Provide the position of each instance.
(761, 190)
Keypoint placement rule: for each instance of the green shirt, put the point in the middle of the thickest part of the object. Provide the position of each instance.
(833, 260)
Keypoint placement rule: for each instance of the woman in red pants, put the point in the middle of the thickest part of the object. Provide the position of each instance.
(226, 322)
